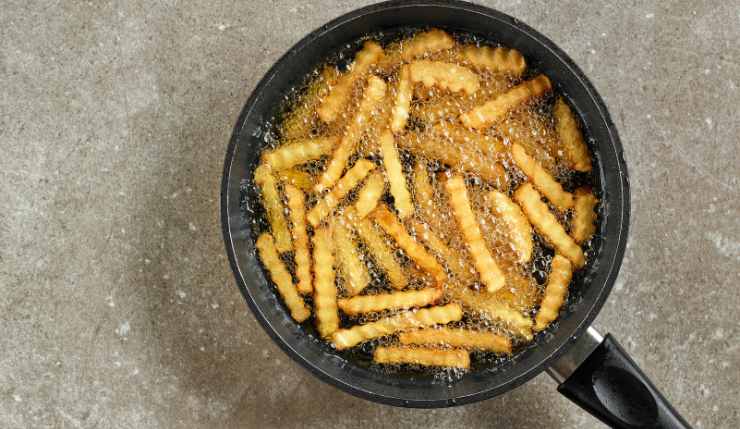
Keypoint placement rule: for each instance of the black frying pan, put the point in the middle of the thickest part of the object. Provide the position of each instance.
(593, 371)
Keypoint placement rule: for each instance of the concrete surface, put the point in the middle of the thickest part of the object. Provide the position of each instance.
(118, 308)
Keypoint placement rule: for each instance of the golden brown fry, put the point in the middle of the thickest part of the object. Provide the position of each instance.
(373, 95)
(453, 259)
(265, 180)
(497, 60)
(571, 137)
(457, 337)
(490, 308)
(403, 101)
(325, 291)
(583, 225)
(425, 357)
(335, 102)
(331, 200)
(444, 75)
(493, 111)
(561, 272)
(369, 195)
(389, 301)
(489, 271)
(541, 179)
(394, 172)
(547, 224)
(346, 338)
(297, 207)
(281, 277)
(391, 225)
(353, 268)
(380, 251)
(518, 227)
(427, 42)
(299, 152)
(299, 179)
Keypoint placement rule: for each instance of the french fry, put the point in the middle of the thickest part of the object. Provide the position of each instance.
(331, 200)
(518, 227)
(455, 262)
(369, 195)
(444, 75)
(497, 60)
(571, 137)
(561, 272)
(424, 195)
(299, 152)
(325, 291)
(493, 111)
(353, 268)
(299, 179)
(583, 225)
(380, 251)
(440, 315)
(389, 301)
(281, 277)
(391, 225)
(541, 179)
(400, 114)
(297, 207)
(489, 271)
(547, 224)
(335, 102)
(373, 95)
(457, 337)
(493, 309)
(425, 357)
(427, 42)
(394, 172)
(265, 180)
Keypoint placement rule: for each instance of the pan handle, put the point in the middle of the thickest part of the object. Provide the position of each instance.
(599, 376)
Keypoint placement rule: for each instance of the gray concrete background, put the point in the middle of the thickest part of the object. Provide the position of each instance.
(117, 305)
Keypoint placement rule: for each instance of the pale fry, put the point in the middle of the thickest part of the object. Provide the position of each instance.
(561, 272)
(281, 277)
(335, 102)
(497, 60)
(489, 271)
(403, 101)
(424, 195)
(325, 291)
(444, 75)
(427, 42)
(297, 207)
(331, 200)
(425, 357)
(369, 195)
(353, 268)
(493, 111)
(373, 95)
(583, 225)
(492, 309)
(299, 179)
(454, 260)
(541, 179)
(299, 152)
(389, 301)
(265, 180)
(396, 179)
(457, 337)
(518, 227)
(381, 252)
(547, 224)
(346, 338)
(575, 149)
(391, 225)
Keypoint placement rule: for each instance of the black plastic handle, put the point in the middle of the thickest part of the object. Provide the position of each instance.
(610, 385)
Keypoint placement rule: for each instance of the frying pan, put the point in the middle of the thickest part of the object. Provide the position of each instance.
(592, 370)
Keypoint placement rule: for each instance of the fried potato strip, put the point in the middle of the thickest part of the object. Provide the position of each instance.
(561, 272)
(547, 224)
(444, 75)
(427, 42)
(281, 277)
(400, 113)
(265, 180)
(325, 291)
(299, 152)
(297, 207)
(497, 60)
(352, 178)
(541, 179)
(346, 338)
(353, 268)
(583, 225)
(518, 227)
(571, 137)
(491, 308)
(394, 172)
(299, 179)
(424, 357)
(380, 251)
(457, 337)
(389, 301)
(369, 195)
(456, 262)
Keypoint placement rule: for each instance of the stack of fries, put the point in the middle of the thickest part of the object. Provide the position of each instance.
(405, 194)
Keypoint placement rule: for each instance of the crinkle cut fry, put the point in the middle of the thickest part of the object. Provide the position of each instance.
(335, 102)
(440, 315)
(497, 60)
(495, 110)
(331, 200)
(389, 301)
(265, 180)
(444, 75)
(547, 224)
(566, 125)
(561, 272)
(456, 262)
(297, 207)
(325, 290)
(517, 224)
(299, 152)
(583, 225)
(281, 277)
(541, 179)
(427, 42)
(396, 179)
(353, 269)
(490, 308)
(400, 113)
(383, 255)
(458, 337)
(370, 194)
(420, 356)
